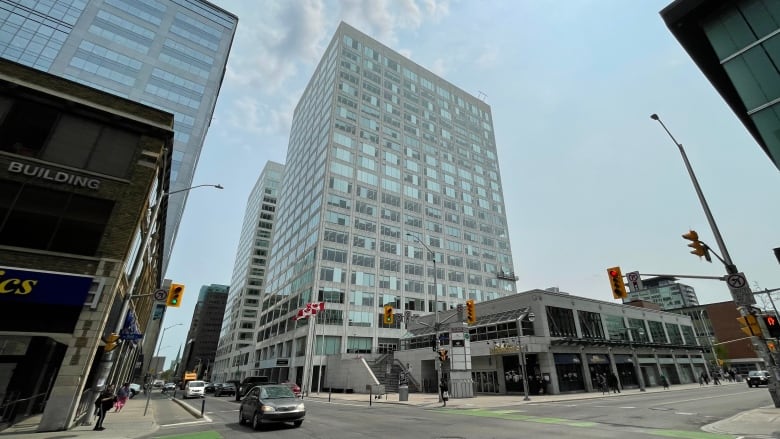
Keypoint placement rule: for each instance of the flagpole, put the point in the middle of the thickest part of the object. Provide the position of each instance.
(313, 329)
(319, 371)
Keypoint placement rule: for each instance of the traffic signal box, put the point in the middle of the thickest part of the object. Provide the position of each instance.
(699, 248)
(471, 312)
(749, 325)
(175, 293)
(443, 355)
(112, 341)
(388, 316)
(773, 325)
(616, 282)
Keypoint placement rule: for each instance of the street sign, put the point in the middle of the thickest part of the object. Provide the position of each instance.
(634, 281)
(160, 295)
(740, 291)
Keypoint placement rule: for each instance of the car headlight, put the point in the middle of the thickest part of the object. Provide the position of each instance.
(268, 408)
(300, 407)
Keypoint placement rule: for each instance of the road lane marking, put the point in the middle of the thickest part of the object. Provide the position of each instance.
(186, 423)
(698, 399)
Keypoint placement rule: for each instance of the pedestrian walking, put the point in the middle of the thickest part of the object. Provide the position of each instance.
(103, 405)
(665, 382)
(612, 381)
(121, 397)
(716, 378)
(445, 390)
(602, 382)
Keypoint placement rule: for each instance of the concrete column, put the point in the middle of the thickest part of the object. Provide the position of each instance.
(587, 378)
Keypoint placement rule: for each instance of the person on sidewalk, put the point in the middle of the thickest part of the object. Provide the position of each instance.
(121, 397)
(716, 378)
(665, 382)
(445, 390)
(612, 381)
(103, 405)
(602, 382)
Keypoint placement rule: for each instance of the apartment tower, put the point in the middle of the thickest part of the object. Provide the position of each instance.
(391, 195)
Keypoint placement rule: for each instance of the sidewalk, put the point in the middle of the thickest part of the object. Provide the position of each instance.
(131, 423)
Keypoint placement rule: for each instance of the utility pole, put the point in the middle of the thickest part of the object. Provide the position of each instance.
(736, 280)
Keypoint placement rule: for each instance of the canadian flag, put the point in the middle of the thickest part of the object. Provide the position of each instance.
(302, 314)
(316, 306)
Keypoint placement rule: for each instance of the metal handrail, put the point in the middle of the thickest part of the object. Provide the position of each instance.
(8, 411)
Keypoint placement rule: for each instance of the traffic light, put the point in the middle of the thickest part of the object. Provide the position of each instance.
(389, 318)
(699, 248)
(616, 282)
(111, 342)
(749, 325)
(471, 312)
(772, 325)
(175, 292)
(443, 355)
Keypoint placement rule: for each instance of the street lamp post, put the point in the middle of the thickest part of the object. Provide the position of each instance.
(157, 355)
(108, 357)
(159, 345)
(635, 358)
(742, 306)
(436, 327)
(529, 316)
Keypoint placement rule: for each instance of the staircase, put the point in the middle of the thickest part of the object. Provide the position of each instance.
(389, 380)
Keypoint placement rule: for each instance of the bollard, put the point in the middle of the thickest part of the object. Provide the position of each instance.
(202, 407)
(330, 392)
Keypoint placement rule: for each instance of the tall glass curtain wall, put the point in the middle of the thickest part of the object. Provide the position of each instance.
(745, 37)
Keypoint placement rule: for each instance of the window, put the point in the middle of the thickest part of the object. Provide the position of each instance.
(561, 321)
(590, 325)
(63, 221)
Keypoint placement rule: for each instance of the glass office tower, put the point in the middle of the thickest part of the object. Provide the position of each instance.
(169, 54)
(391, 171)
(736, 44)
(237, 335)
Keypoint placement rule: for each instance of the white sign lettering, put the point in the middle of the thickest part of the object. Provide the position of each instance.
(56, 176)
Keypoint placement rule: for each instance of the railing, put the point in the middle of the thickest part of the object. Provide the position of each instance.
(15, 406)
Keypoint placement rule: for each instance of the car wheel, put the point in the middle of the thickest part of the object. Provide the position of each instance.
(297, 424)
(256, 421)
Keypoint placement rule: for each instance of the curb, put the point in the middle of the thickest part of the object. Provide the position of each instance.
(191, 410)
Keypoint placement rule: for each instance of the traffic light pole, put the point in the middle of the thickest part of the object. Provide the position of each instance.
(437, 324)
(759, 340)
(107, 360)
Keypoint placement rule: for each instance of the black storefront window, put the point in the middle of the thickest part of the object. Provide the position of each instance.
(568, 367)
(561, 322)
(48, 219)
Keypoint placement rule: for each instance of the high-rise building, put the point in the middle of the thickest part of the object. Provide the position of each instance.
(665, 292)
(167, 54)
(734, 43)
(237, 336)
(203, 335)
(391, 195)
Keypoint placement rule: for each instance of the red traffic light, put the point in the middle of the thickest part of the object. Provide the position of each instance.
(613, 273)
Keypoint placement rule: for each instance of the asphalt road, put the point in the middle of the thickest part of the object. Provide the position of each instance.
(638, 415)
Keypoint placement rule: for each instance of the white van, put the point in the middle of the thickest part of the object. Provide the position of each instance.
(195, 389)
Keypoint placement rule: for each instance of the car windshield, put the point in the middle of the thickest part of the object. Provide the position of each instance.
(274, 392)
(197, 384)
(756, 373)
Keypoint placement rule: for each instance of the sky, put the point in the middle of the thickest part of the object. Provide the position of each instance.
(589, 180)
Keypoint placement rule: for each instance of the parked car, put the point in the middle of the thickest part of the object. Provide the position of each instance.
(249, 382)
(135, 389)
(168, 387)
(225, 389)
(195, 389)
(296, 389)
(758, 378)
(210, 387)
(271, 403)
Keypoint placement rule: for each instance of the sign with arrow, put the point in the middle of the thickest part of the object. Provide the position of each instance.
(634, 281)
(740, 291)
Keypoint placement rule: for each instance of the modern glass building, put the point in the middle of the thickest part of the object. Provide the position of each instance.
(736, 44)
(203, 335)
(391, 195)
(665, 292)
(237, 334)
(169, 54)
